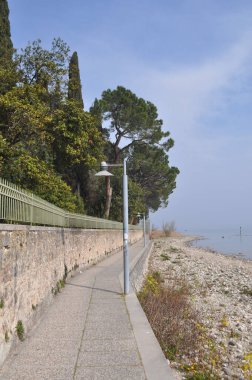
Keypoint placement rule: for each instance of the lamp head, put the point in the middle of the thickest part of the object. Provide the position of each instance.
(104, 172)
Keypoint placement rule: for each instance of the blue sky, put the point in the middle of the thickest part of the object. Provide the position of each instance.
(193, 60)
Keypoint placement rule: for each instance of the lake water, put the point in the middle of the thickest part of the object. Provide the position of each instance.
(228, 242)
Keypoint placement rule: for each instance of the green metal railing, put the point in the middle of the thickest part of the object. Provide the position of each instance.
(20, 206)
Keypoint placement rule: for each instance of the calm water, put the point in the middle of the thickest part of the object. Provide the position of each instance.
(227, 242)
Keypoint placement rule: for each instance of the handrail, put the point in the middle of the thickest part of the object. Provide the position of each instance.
(21, 206)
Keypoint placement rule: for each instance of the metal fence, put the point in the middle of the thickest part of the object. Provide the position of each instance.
(20, 206)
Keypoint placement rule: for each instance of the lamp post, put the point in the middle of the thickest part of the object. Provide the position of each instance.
(104, 172)
(144, 227)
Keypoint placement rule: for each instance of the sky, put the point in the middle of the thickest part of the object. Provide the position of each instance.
(193, 60)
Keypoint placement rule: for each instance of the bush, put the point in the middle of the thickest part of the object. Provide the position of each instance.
(168, 228)
(170, 314)
(40, 178)
(177, 326)
(20, 330)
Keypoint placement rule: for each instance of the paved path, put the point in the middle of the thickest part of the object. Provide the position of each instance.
(86, 334)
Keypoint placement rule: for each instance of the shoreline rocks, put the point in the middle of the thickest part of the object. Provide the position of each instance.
(221, 289)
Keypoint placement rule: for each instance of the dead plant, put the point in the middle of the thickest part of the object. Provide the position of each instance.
(170, 314)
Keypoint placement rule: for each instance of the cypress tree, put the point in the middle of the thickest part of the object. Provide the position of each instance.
(74, 84)
(6, 46)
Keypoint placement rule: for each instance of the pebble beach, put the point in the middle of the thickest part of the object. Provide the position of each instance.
(221, 292)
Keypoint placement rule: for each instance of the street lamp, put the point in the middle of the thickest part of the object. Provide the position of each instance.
(106, 173)
(144, 227)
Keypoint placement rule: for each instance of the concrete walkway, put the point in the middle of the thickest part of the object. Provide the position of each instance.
(91, 333)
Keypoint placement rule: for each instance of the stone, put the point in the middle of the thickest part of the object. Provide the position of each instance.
(227, 371)
(215, 282)
(232, 342)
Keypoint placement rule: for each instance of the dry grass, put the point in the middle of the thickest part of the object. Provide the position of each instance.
(170, 314)
(177, 326)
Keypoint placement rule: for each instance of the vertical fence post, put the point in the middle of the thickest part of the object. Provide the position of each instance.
(31, 210)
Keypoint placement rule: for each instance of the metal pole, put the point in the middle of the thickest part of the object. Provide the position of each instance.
(144, 228)
(125, 230)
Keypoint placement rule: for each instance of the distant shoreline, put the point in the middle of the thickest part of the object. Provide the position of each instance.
(175, 234)
(188, 242)
(240, 256)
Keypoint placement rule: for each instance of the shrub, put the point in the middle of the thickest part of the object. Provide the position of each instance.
(20, 330)
(178, 328)
(246, 291)
(168, 228)
(164, 257)
(170, 314)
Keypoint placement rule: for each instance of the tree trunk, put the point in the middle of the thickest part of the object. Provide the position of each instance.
(117, 154)
(108, 198)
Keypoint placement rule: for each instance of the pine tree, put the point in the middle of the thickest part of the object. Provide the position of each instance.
(74, 85)
(6, 46)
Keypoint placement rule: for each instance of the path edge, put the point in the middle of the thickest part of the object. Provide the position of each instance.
(153, 360)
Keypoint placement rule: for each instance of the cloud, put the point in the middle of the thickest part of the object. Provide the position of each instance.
(185, 94)
(214, 184)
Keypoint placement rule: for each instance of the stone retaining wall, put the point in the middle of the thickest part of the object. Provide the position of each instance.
(139, 268)
(33, 263)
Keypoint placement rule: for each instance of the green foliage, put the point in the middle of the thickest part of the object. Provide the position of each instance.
(247, 291)
(74, 84)
(77, 147)
(24, 118)
(149, 167)
(130, 118)
(201, 376)
(59, 285)
(132, 129)
(157, 277)
(247, 364)
(2, 149)
(6, 46)
(45, 67)
(39, 177)
(65, 273)
(46, 140)
(1, 303)
(174, 249)
(170, 352)
(76, 138)
(8, 75)
(164, 257)
(151, 285)
(20, 330)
